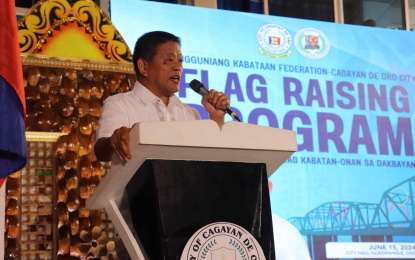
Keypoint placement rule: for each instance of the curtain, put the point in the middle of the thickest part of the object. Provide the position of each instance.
(322, 10)
(186, 2)
(251, 6)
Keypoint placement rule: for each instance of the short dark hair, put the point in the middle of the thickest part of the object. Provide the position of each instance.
(146, 46)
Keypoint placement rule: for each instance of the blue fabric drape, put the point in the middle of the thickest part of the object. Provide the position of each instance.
(13, 148)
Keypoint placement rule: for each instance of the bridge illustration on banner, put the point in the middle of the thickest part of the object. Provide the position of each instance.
(394, 215)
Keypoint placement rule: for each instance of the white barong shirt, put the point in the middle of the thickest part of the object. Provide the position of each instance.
(140, 105)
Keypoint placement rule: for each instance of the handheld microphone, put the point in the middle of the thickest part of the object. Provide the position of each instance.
(199, 88)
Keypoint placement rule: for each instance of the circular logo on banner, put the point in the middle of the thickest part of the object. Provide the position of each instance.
(274, 38)
(312, 43)
(222, 241)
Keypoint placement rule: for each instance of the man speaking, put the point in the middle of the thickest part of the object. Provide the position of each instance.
(158, 64)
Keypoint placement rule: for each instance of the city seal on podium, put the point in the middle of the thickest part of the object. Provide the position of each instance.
(274, 39)
(222, 241)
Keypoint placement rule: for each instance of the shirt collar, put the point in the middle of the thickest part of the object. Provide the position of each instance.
(146, 96)
(174, 100)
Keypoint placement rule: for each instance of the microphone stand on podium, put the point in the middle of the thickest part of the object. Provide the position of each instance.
(184, 175)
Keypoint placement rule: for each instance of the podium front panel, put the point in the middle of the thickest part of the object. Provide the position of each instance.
(171, 199)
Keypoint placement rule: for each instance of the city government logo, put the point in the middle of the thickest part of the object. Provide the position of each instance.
(274, 39)
(222, 241)
(312, 43)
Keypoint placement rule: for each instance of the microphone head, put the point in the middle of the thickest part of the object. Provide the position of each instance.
(195, 85)
(198, 87)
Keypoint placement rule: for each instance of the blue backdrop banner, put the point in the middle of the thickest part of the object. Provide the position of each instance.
(348, 91)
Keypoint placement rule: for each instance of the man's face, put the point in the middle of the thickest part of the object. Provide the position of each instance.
(165, 70)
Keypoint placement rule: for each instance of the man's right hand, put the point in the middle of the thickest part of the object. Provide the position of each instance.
(120, 143)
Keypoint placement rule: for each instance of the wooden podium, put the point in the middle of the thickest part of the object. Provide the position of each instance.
(184, 175)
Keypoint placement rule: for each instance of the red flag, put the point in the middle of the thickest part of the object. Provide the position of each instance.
(10, 63)
(13, 147)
